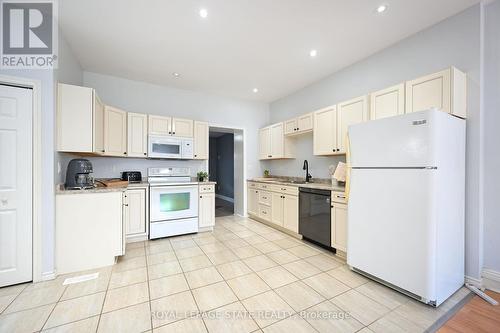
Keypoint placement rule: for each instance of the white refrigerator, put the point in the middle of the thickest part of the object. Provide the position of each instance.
(406, 199)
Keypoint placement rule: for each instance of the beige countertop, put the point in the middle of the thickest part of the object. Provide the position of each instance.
(142, 184)
(320, 186)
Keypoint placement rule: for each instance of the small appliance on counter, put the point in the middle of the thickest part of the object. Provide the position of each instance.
(78, 175)
(132, 176)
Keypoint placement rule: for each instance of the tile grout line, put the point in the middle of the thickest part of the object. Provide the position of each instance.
(104, 300)
(144, 245)
(149, 293)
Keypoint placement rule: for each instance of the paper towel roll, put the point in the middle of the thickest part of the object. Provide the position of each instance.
(339, 173)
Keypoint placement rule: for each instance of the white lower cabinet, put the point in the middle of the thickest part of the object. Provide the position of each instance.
(136, 206)
(206, 206)
(89, 230)
(276, 204)
(291, 212)
(252, 199)
(339, 226)
(277, 209)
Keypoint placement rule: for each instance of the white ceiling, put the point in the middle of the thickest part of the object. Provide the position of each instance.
(242, 44)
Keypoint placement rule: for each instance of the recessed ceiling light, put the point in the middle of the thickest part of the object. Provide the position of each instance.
(203, 13)
(255, 90)
(381, 9)
(175, 74)
(313, 53)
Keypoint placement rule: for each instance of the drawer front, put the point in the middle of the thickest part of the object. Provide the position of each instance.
(263, 186)
(265, 212)
(338, 197)
(292, 190)
(265, 198)
(252, 185)
(207, 188)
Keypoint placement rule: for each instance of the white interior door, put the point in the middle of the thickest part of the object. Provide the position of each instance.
(15, 185)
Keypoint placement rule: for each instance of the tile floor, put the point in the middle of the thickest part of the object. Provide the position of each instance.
(242, 277)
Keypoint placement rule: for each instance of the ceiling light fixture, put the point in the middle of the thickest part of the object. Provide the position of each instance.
(203, 13)
(381, 9)
(255, 90)
(175, 74)
(313, 53)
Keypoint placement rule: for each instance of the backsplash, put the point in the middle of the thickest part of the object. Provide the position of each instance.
(318, 165)
(112, 167)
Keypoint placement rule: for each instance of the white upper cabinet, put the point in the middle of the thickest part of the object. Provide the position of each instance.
(98, 125)
(137, 135)
(273, 144)
(387, 102)
(325, 131)
(291, 126)
(299, 125)
(200, 140)
(277, 141)
(182, 127)
(265, 143)
(158, 125)
(349, 113)
(115, 131)
(305, 123)
(80, 119)
(445, 90)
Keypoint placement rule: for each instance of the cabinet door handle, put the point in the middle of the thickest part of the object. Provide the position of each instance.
(103, 151)
(201, 196)
(124, 153)
(145, 154)
(195, 155)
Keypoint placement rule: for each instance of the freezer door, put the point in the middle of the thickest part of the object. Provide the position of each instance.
(401, 141)
(392, 227)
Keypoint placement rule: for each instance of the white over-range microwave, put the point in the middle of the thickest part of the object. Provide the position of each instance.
(170, 147)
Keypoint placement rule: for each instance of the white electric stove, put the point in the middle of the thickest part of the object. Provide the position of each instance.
(173, 202)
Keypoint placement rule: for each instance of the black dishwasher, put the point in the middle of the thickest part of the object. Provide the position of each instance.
(315, 215)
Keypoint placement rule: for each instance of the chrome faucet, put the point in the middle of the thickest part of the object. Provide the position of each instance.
(306, 167)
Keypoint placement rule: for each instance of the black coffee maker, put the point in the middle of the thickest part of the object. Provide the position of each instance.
(78, 175)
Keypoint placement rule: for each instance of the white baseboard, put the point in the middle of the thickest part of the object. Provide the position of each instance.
(46, 276)
(136, 238)
(474, 281)
(491, 280)
(223, 197)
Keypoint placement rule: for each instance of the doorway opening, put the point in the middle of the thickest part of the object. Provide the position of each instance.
(221, 169)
